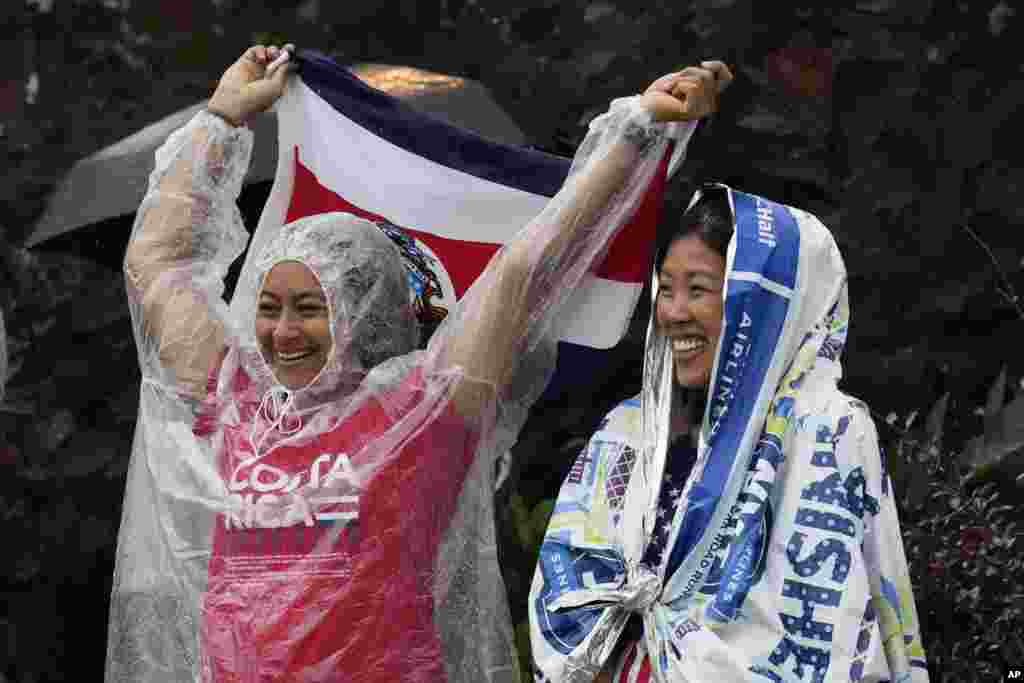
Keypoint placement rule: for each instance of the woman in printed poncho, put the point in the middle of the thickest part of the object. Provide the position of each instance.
(309, 497)
(734, 522)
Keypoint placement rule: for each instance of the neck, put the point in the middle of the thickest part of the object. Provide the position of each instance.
(687, 413)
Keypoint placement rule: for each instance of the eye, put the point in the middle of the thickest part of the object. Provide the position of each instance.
(268, 309)
(312, 310)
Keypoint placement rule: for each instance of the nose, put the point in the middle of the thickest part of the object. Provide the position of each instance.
(674, 307)
(289, 327)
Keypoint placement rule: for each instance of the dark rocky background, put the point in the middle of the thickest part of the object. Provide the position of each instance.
(894, 121)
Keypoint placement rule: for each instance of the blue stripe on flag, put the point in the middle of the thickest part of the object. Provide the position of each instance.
(577, 367)
(418, 133)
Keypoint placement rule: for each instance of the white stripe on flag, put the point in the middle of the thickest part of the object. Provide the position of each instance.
(599, 312)
(410, 190)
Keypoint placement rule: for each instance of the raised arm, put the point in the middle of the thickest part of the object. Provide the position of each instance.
(520, 297)
(188, 229)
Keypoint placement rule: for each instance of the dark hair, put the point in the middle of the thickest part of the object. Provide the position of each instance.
(710, 219)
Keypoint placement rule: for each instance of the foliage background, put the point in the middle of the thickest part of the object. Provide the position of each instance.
(890, 120)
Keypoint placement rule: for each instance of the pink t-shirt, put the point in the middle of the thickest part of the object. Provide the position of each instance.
(335, 585)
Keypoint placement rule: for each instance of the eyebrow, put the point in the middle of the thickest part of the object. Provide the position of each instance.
(309, 293)
(714, 276)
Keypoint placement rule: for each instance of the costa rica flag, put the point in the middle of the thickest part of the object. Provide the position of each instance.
(457, 197)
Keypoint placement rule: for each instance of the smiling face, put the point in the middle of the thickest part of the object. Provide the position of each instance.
(689, 307)
(293, 324)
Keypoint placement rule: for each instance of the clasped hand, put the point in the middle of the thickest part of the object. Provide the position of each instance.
(689, 94)
(253, 83)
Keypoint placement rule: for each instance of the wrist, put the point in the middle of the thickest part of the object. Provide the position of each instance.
(648, 102)
(640, 126)
(223, 110)
(662, 108)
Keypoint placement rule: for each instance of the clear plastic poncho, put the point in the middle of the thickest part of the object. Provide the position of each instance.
(779, 556)
(342, 531)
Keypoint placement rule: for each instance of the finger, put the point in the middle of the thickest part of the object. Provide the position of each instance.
(694, 71)
(699, 96)
(278, 79)
(282, 57)
(667, 82)
(682, 88)
(723, 75)
(686, 92)
(689, 88)
(663, 84)
(717, 66)
(697, 78)
(700, 74)
(253, 53)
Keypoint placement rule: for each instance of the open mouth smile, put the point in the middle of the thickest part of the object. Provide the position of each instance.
(295, 358)
(685, 348)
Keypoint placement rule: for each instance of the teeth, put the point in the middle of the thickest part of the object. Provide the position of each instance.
(290, 357)
(688, 344)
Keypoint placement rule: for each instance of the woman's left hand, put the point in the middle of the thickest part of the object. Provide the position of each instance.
(250, 85)
(689, 94)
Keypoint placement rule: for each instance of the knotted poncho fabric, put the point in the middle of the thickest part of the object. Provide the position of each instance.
(783, 559)
(340, 531)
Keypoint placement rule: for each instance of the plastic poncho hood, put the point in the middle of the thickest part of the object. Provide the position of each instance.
(783, 559)
(371, 320)
(364, 281)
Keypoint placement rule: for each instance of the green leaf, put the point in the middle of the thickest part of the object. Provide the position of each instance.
(539, 519)
(521, 521)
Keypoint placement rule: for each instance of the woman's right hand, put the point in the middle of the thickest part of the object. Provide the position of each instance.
(689, 94)
(247, 87)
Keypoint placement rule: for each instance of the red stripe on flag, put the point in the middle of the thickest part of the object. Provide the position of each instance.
(629, 254)
(463, 259)
(310, 197)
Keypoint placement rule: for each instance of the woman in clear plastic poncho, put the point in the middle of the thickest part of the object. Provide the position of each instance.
(734, 522)
(309, 497)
